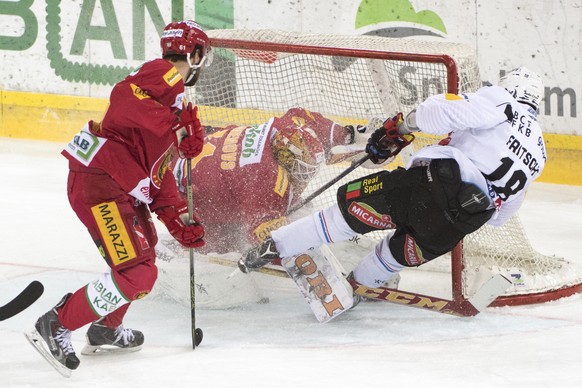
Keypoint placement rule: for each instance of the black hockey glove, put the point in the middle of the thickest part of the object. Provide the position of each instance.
(387, 141)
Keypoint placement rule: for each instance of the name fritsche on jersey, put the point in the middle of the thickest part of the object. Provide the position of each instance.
(496, 140)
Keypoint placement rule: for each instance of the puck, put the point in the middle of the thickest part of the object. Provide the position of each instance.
(198, 335)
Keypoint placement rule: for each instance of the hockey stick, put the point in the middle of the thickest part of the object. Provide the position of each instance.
(486, 294)
(196, 332)
(276, 271)
(22, 301)
(372, 123)
(326, 186)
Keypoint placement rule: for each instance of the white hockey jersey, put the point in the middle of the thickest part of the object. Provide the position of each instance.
(496, 141)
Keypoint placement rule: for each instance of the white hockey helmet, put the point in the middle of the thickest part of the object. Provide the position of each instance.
(524, 85)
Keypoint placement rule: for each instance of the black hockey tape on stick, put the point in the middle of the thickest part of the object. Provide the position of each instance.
(22, 301)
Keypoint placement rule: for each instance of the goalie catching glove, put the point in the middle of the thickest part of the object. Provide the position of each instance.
(387, 141)
(189, 133)
(189, 235)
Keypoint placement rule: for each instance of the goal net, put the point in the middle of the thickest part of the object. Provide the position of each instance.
(257, 74)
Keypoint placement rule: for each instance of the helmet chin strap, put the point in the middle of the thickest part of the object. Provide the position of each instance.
(194, 72)
(192, 77)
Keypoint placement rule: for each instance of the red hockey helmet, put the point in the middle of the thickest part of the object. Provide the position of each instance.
(185, 38)
(181, 38)
(299, 151)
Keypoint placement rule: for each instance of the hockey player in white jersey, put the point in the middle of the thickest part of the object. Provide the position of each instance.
(478, 174)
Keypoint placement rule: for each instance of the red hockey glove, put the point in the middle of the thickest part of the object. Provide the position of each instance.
(189, 132)
(387, 141)
(190, 236)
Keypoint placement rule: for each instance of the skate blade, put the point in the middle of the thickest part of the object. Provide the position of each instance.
(101, 350)
(37, 342)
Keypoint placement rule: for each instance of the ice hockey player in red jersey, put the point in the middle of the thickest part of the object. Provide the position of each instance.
(479, 174)
(119, 171)
(248, 177)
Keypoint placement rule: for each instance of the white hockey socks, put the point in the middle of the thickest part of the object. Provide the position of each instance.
(324, 227)
(104, 295)
(378, 266)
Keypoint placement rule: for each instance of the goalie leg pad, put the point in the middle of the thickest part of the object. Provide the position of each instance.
(321, 283)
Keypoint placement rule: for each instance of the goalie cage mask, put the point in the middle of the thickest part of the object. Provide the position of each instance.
(186, 38)
(524, 85)
(299, 151)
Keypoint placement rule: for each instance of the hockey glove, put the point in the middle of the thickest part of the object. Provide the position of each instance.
(386, 142)
(189, 132)
(176, 220)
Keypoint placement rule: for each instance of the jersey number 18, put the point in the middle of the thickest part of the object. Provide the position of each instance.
(515, 183)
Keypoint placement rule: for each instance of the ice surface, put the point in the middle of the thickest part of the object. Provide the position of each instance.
(280, 343)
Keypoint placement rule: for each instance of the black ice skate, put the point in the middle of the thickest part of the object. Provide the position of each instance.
(102, 339)
(259, 256)
(53, 341)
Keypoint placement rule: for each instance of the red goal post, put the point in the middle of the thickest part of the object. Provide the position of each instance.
(258, 74)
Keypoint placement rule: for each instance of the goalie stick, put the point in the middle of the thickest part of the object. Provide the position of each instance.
(486, 294)
(269, 269)
(22, 301)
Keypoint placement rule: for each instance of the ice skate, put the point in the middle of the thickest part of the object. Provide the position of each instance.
(391, 283)
(53, 342)
(357, 298)
(259, 257)
(102, 339)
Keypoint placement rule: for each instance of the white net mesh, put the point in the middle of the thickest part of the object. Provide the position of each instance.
(257, 74)
(507, 250)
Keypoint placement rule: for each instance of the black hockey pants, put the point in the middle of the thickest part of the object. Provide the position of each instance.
(430, 208)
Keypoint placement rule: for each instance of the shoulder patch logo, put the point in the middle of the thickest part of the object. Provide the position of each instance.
(172, 77)
(139, 92)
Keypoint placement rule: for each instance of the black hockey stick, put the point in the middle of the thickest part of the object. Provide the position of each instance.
(196, 332)
(22, 301)
(326, 186)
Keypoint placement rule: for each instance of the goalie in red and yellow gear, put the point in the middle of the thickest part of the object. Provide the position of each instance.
(248, 177)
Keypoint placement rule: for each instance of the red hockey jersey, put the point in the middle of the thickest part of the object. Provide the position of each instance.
(238, 184)
(134, 143)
